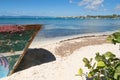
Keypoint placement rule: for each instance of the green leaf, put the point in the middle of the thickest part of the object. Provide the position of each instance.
(80, 72)
(89, 75)
(87, 63)
(117, 73)
(101, 64)
(93, 65)
(109, 55)
(91, 60)
(98, 57)
(85, 60)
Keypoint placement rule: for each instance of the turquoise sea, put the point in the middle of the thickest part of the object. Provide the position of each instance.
(58, 27)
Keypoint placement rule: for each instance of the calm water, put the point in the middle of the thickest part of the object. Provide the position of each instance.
(57, 27)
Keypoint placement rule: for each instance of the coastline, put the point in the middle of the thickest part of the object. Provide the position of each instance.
(47, 41)
(67, 54)
(64, 44)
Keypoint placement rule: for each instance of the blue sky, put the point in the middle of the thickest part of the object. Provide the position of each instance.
(59, 7)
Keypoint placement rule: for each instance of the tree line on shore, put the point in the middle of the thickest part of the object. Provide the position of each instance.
(113, 16)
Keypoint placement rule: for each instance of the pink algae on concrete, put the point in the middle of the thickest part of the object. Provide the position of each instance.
(11, 28)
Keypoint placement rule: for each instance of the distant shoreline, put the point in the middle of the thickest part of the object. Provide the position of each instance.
(112, 16)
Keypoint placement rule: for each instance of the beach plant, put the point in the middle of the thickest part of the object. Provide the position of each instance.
(114, 38)
(105, 67)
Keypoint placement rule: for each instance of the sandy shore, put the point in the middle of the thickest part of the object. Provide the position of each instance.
(60, 60)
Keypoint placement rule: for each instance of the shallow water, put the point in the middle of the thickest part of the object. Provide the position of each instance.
(57, 27)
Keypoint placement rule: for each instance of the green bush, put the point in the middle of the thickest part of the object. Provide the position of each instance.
(114, 38)
(105, 67)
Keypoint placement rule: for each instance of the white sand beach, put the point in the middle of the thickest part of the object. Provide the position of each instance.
(68, 55)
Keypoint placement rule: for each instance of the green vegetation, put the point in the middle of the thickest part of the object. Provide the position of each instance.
(106, 66)
(113, 16)
(114, 38)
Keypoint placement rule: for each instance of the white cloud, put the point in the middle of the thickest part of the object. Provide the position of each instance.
(117, 7)
(91, 4)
